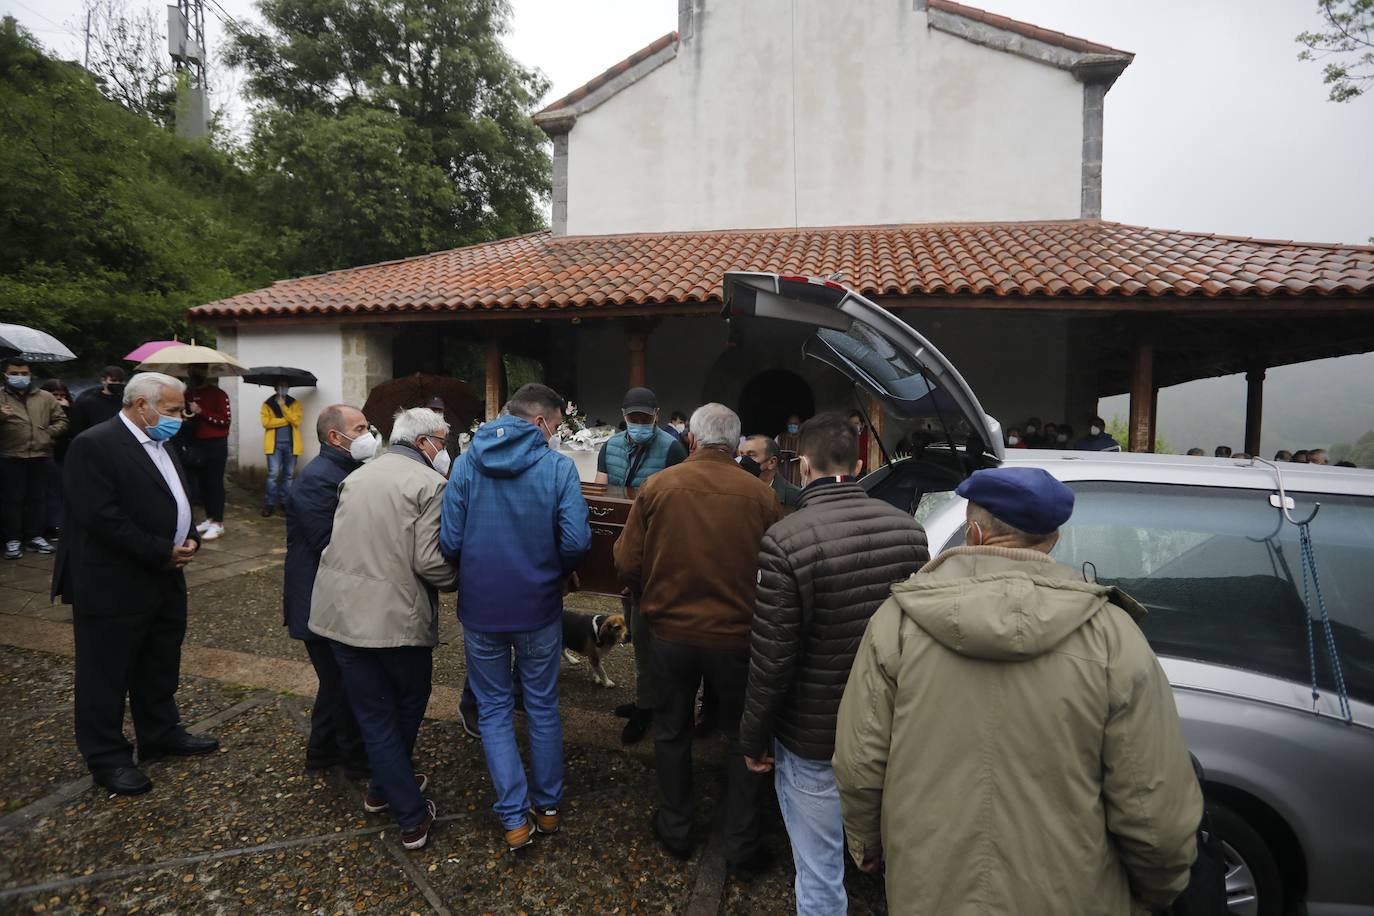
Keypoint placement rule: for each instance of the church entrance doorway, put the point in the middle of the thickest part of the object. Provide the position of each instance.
(769, 397)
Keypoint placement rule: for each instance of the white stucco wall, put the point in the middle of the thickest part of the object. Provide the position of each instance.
(815, 113)
(316, 348)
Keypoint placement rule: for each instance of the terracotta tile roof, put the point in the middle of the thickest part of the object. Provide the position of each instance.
(606, 76)
(1032, 263)
(1059, 39)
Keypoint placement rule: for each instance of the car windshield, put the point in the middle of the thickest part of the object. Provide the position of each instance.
(1221, 575)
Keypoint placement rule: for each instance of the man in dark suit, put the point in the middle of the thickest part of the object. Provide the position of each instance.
(345, 443)
(126, 541)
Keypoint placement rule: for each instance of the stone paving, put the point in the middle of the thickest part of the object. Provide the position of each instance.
(248, 830)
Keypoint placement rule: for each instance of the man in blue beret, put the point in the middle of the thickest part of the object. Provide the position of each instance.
(1007, 740)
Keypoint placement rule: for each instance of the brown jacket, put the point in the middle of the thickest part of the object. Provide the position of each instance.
(691, 547)
(30, 424)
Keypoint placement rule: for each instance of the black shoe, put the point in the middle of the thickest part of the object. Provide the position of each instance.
(123, 780)
(469, 722)
(184, 745)
(704, 727)
(757, 862)
(637, 726)
(625, 710)
(266, 511)
(674, 848)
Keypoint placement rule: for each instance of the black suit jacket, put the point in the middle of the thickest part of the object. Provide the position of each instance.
(120, 518)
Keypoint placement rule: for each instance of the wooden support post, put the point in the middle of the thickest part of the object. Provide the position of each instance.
(494, 373)
(1143, 395)
(636, 342)
(874, 459)
(1254, 409)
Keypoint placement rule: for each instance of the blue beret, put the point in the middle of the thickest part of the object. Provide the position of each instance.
(1027, 498)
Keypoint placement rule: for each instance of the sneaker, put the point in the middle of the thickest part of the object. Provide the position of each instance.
(546, 820)
(266, 511)
(204, 526)
(417, 837)
(13, 550)
(519, 837)
(213, 532)
(39, 545)
(375, 804)
(470, 725)
(625, 710)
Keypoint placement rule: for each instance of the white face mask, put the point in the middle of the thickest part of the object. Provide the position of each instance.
(680, 427)
(281, 391)
(1095, 430)
(441, 461)
(1062, 437)
(363, 446)
(1013, 440)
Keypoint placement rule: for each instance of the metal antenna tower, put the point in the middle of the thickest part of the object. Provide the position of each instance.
(186, 43)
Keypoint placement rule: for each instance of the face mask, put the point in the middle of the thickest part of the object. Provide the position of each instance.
(680, 427)
(18, 382)
(115, 388)
(441, 461)
(640, 432)
(363, 446)
(793, 427)
(1095, 430)
(1062, 437)
(281, 391)
(165, 428)
(1030, 430)
(1013, 440)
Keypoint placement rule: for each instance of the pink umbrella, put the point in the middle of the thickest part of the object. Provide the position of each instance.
(145, 350)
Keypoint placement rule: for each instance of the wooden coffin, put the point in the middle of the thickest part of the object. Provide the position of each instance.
(607, 507)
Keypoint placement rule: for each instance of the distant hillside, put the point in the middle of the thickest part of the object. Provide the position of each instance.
(1309, 405)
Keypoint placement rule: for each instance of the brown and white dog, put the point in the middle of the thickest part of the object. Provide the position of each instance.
(592, 636)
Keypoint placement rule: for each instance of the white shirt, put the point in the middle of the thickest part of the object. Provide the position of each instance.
(157, 453)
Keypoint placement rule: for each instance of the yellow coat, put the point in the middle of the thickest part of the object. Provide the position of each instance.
(291, 414)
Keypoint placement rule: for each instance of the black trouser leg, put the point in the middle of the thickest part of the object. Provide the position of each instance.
(677, 671)
(726, 672)
(334, 731)
(216, 453)
(35, 496)
(642, 637)
(23, 486)
(105, 648)
(156, 672)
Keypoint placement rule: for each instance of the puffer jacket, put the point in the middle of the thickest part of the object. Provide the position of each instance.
(823, 571)
(1010, 744)
(379, 579)
(31, 423)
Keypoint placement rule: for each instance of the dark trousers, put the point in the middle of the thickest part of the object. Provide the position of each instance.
(207, 481)
(53, 505)
(389, 690)
(136, 654)
(23, 486)
(334, 734)
(679, 669)
(642, 637)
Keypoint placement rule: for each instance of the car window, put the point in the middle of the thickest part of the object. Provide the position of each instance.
(1220, 572)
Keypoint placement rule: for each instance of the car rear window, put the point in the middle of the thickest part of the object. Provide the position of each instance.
(1221, 574)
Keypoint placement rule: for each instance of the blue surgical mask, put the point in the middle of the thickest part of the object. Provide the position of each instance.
(640, 432)
(165, 428)
(18, 382)
(793, 427)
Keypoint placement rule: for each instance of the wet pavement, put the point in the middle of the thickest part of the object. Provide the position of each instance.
(248, 830)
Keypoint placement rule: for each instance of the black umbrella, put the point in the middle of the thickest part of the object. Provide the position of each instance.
(280, 375)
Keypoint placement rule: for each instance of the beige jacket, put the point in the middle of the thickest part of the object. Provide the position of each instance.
(379, 579)
(31, 425)
(1009, 744)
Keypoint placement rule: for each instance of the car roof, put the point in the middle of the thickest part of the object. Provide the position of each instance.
(1194, 471)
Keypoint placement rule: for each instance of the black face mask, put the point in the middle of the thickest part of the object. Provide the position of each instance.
(750, 465)
(116, 388)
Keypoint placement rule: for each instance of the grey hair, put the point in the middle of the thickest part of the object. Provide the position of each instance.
(150, 385)
(715, 424)
(770, 446)
(992, 526)
(416, 423)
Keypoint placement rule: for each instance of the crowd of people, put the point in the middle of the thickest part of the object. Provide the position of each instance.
(1034, 434)
(986, 725)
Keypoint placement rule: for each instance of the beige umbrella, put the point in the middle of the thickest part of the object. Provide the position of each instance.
(178, 360)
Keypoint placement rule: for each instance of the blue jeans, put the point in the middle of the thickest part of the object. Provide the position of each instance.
(389, 690)
(280, 464)
(810, 803)
(537, 655)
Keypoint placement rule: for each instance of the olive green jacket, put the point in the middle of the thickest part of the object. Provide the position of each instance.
(1009, 744)
(30, 424)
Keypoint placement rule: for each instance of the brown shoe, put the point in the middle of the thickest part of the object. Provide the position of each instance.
(417, 837)
(519, 837)
(546, 821)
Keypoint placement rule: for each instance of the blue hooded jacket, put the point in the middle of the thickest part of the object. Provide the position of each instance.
(515, 523)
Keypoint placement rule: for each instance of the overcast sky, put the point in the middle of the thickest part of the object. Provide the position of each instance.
(1216, 126)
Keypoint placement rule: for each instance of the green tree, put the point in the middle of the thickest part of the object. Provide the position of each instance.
(111, 226)
(1119, 430)
(1361, 453)
(433, 87)
(1346, 43)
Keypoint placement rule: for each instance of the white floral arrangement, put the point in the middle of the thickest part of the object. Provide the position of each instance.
(574, 433)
